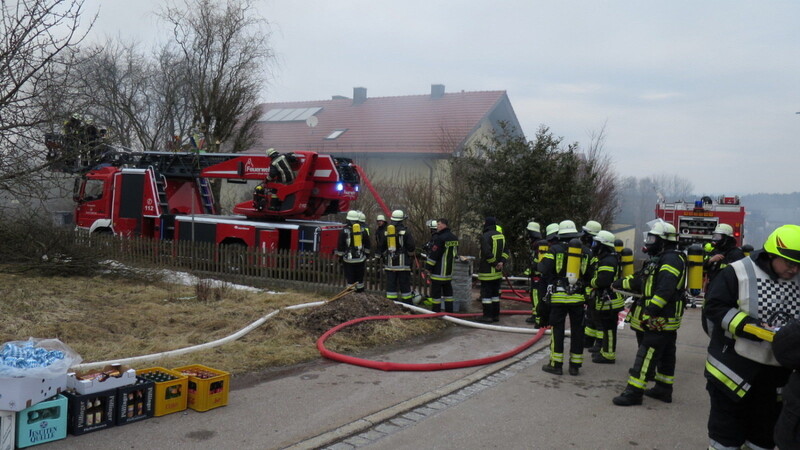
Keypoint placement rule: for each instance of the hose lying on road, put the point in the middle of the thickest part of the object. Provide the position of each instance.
(392, 366)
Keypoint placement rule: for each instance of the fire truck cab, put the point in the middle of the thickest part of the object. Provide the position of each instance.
(695, 222)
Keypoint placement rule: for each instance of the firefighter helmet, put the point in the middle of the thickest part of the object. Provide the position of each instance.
(362, 217)
(381, 218)
(785, 242)
(592, 227)
(272, 153)
(533, 226)
(670, 233)
(432, 224)
(606, 238)
(725, 229)
(566, 229)
(353, 215)
(398, 215)
(551, 230)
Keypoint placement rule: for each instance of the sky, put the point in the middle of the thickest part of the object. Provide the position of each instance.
(706, 90)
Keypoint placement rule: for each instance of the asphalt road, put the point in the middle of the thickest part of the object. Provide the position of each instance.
(509, 404)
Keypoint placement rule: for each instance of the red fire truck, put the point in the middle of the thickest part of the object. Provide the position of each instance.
(167, 195)
(695, 222)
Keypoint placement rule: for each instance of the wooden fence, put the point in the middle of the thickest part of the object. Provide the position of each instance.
(282, 269)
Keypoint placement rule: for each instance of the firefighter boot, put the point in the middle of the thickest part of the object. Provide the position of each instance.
(436, 307)
(630, 396)
(487, 313)
(531, 319)
(574, 369)
(448, 306)
(554, 368)
(495, 311)
(661, 391)
(598, 358)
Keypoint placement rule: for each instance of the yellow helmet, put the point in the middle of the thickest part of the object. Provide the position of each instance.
(785, 242)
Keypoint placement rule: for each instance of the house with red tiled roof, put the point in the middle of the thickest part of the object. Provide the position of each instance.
(387, 136)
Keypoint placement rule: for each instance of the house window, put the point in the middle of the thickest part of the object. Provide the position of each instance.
(336, 134)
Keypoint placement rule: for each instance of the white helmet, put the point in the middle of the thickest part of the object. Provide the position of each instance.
(381, 217)
(671, 234)
(533, 226)
(605, 237)
(725, 229)
(353, 215)
(398, 215)
(362, 217)
(433, 224)
(551, 230)
(592, 227)
(566, 229)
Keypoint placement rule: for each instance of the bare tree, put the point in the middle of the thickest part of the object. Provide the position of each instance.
(605, 205)
(673, 187)
(38, 41)
(227, 56)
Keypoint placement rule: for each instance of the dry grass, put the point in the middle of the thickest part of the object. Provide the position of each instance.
(105, 318)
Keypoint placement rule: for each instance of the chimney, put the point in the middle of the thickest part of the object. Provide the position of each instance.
(359, 95)
(437, 91)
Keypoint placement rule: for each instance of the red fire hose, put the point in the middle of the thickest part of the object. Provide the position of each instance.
(391, 366)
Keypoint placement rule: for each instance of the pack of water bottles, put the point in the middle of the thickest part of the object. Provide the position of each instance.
(32, 371)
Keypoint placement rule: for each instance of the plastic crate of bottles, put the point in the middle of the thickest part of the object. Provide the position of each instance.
(135, 402)
(44, 422)
(90, 412)
(208, 388)
(171, 389)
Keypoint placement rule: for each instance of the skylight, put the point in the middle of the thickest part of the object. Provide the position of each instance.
(289, 114)
(336, 133)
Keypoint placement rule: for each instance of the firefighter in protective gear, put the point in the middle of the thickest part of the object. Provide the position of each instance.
(744, 379)
(724, 251)
(396, 244)
(439, 263)
(539, 247)
(657, 316)
(280, 171)
(606, 304)
(564, 269)
(785, 344)
(353, 248)
(592, 336)
(362, 220)
(490, 269)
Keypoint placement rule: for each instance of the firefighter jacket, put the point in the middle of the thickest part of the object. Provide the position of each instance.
(442, 255)
(661, 283)
(604, 270)
(399, 257)
(747, 292)
(493, 251)
(353, 246)
(728, 256)
(553, 267)
(280, 169)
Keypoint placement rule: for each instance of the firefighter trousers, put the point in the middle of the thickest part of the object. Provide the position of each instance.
(751, 419)
(655, 359)
(442, 290)
(354, 274)
(558, 316)
(398, 285)
(606, 321)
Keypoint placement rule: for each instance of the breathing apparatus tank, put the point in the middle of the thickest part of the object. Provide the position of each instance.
(574, 259)
(626, 262)
(618, 246)
(542, 247)
(391, 238)
(695, 257)
(356, 235)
